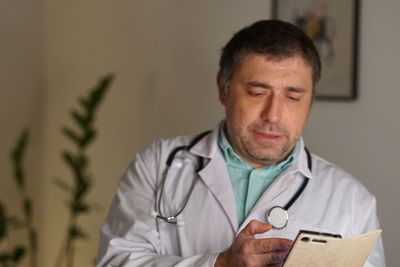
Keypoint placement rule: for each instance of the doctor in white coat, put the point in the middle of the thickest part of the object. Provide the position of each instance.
(211, 206)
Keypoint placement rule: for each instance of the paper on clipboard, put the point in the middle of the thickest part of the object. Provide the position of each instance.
(323, 251)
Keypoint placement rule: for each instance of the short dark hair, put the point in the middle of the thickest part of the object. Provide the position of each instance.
(273, 38)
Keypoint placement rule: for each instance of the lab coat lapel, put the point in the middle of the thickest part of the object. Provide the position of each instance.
(215, 174)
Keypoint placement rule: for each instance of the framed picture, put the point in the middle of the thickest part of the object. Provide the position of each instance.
(333, 26)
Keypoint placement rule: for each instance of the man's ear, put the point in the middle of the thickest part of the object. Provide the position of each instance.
(221, 89)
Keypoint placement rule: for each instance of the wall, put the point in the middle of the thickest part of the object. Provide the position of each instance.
(363, 136)
(21, 96)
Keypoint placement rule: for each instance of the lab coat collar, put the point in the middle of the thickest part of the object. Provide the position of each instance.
(208, 147)
(217, 177)
(301, 162)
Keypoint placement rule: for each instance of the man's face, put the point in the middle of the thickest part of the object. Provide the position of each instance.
(267, 105)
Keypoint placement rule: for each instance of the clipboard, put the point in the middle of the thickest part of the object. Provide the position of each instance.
(329, 250)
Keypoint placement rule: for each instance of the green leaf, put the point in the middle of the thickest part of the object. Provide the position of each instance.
(3, 222)
(27, 207)
(17, 156)
(84, 103)
(80, 207)
(81, 189)
(98, 92)
(77, 162)
(17, 153)
(70, 159)
(80, 119)
(81, 161)
(4, 258)
(75, 232)
(71, 135)
(88, 137)
(19, 177)
(18, 254)
(63, 185)
(33, 240)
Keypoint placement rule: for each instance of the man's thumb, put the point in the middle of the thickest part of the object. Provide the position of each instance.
(255, 227)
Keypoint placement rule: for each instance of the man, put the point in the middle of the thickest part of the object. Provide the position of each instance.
(211, 206)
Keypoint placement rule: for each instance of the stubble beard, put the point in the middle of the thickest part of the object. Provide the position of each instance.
(263, 153)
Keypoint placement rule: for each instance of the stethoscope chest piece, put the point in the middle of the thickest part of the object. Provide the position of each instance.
(278, 217)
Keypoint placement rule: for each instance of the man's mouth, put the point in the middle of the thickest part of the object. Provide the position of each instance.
(268, 136)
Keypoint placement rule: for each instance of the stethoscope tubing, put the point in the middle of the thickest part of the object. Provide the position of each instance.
(173, 218)
(303, 185)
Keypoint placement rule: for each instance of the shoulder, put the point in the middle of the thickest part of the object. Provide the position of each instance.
(163, 146)
(148, 163)
(200, 144)
(331, 176)
(345, 195)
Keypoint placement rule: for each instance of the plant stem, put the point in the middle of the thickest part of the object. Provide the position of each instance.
(70, 251)
(65, 253)
(60, 254)
(78, 163)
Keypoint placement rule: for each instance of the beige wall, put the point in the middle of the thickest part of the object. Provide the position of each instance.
(164, 55)
(21, 97)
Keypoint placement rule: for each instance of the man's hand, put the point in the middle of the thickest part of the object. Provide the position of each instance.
(248, 251)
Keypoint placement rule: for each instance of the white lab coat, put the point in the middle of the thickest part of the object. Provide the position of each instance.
(332, 202)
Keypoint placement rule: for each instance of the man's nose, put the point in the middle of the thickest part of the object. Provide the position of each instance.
(272, 110)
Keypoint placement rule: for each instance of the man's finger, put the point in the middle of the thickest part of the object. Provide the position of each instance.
(268, 245)
(270, 259)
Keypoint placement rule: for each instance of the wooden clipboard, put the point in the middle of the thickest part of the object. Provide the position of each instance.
(327, 250)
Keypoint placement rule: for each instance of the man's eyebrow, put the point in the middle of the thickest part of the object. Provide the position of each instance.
(259, 84)
(267, 86)
(296, 89)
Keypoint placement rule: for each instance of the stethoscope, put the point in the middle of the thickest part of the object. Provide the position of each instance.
(277, 216)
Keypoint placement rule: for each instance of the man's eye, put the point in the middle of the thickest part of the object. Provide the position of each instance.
(294, 96)
(256, 93)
